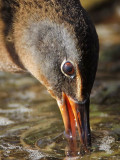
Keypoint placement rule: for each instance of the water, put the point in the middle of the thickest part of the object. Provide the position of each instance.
(31, 126)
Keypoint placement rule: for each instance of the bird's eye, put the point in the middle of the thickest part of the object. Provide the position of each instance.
(68, 68)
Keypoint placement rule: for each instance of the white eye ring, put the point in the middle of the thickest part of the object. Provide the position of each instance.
(68, 68)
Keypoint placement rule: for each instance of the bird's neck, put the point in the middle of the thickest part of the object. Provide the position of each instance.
(8, 59)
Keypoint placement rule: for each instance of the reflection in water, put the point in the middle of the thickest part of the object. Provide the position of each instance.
(31, 126)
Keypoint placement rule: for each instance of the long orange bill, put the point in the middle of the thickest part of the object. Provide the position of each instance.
(76, 115)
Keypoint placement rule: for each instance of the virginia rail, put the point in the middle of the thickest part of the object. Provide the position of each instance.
(57, 43)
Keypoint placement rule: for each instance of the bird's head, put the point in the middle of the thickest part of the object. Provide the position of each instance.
(60, 48)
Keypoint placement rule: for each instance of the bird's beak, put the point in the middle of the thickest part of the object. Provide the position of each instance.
(76, 116)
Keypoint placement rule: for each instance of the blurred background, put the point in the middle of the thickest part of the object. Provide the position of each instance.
(106, 16)
(28, 113)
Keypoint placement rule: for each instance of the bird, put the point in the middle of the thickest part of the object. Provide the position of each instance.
(56, 42)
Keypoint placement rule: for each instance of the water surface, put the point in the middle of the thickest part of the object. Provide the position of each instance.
(31, 126)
